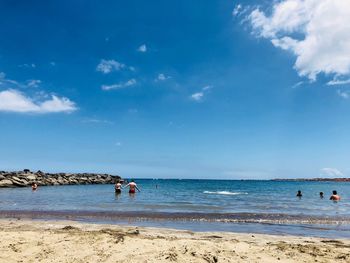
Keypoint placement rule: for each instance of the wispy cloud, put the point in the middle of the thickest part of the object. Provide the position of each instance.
(307, 29)
(27, 65)
(162, 77)
(95, 120)
(142, 48)
(129, 83)
(336, 81)
(12, 100)
(10, 83)
(343, 94)
(199, 96)
(333, 172)
(33, 83)
(237, 10)
(296, 85)
(108, 66)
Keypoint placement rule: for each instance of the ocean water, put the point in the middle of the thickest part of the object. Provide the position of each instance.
(205, 205)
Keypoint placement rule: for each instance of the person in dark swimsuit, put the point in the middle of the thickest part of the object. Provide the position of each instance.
(299, 194)
(118, 187)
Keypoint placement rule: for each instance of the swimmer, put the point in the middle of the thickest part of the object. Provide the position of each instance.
(34, 186)
(321, 195)
(132, 186)
(118, 187)
(335, 196)
(299, 194)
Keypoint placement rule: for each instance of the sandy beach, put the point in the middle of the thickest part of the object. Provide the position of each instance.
(66, 241)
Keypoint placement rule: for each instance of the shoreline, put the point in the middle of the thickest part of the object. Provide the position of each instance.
(239, 223)
(68, 241)
(243, 217)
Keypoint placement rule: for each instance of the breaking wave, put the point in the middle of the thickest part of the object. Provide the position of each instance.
(224, 193)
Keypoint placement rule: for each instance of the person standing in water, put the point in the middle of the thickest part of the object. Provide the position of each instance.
(118, 187)
(335, 196)
(132, 187)
(34, 186)
(299, 194)
(321, 195)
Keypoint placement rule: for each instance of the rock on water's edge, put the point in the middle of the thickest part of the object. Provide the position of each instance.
(26, 178)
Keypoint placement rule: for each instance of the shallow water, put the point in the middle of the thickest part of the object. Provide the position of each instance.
(270, 206)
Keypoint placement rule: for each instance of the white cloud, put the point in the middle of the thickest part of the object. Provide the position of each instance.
(15, 101)
(343, 94)
(162, 77)
(317, 32)
(27, 65)
(199, 96)
(142, 48)
(208, 87)
(333, 172)
(33, 83)
(94, 120)
(237, 10)
(113, 86)
(129, 83)
(296, 85)
(9, 83)
(336, 81)
(107, 66)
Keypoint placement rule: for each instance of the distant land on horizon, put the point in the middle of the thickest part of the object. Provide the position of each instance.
(314, 179)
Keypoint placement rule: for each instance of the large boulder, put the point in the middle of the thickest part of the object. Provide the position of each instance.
(31, 177)
(19, 182)
(6, 183)
(25, 178)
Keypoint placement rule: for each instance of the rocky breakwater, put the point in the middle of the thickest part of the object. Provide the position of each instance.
(26, 178)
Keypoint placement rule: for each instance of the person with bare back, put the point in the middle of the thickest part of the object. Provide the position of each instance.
(132, 187)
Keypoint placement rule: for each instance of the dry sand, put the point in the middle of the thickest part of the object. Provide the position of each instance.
(64, 241)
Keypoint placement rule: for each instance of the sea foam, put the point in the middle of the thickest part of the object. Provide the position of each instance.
(224, 193)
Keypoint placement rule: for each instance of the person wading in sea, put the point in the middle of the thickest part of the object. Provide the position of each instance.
(118, 187)
(299, 194)
(335, 196)
(132, 186)
(34, 186)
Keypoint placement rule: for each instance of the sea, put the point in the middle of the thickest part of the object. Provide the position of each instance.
(248, 206)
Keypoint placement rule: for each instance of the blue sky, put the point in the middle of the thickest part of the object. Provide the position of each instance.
(176, 89)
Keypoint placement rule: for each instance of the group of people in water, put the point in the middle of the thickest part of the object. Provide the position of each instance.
(334, 196)
(118, 187)
(132, 187)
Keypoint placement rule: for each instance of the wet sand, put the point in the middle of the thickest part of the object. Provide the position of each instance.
(66, 241)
